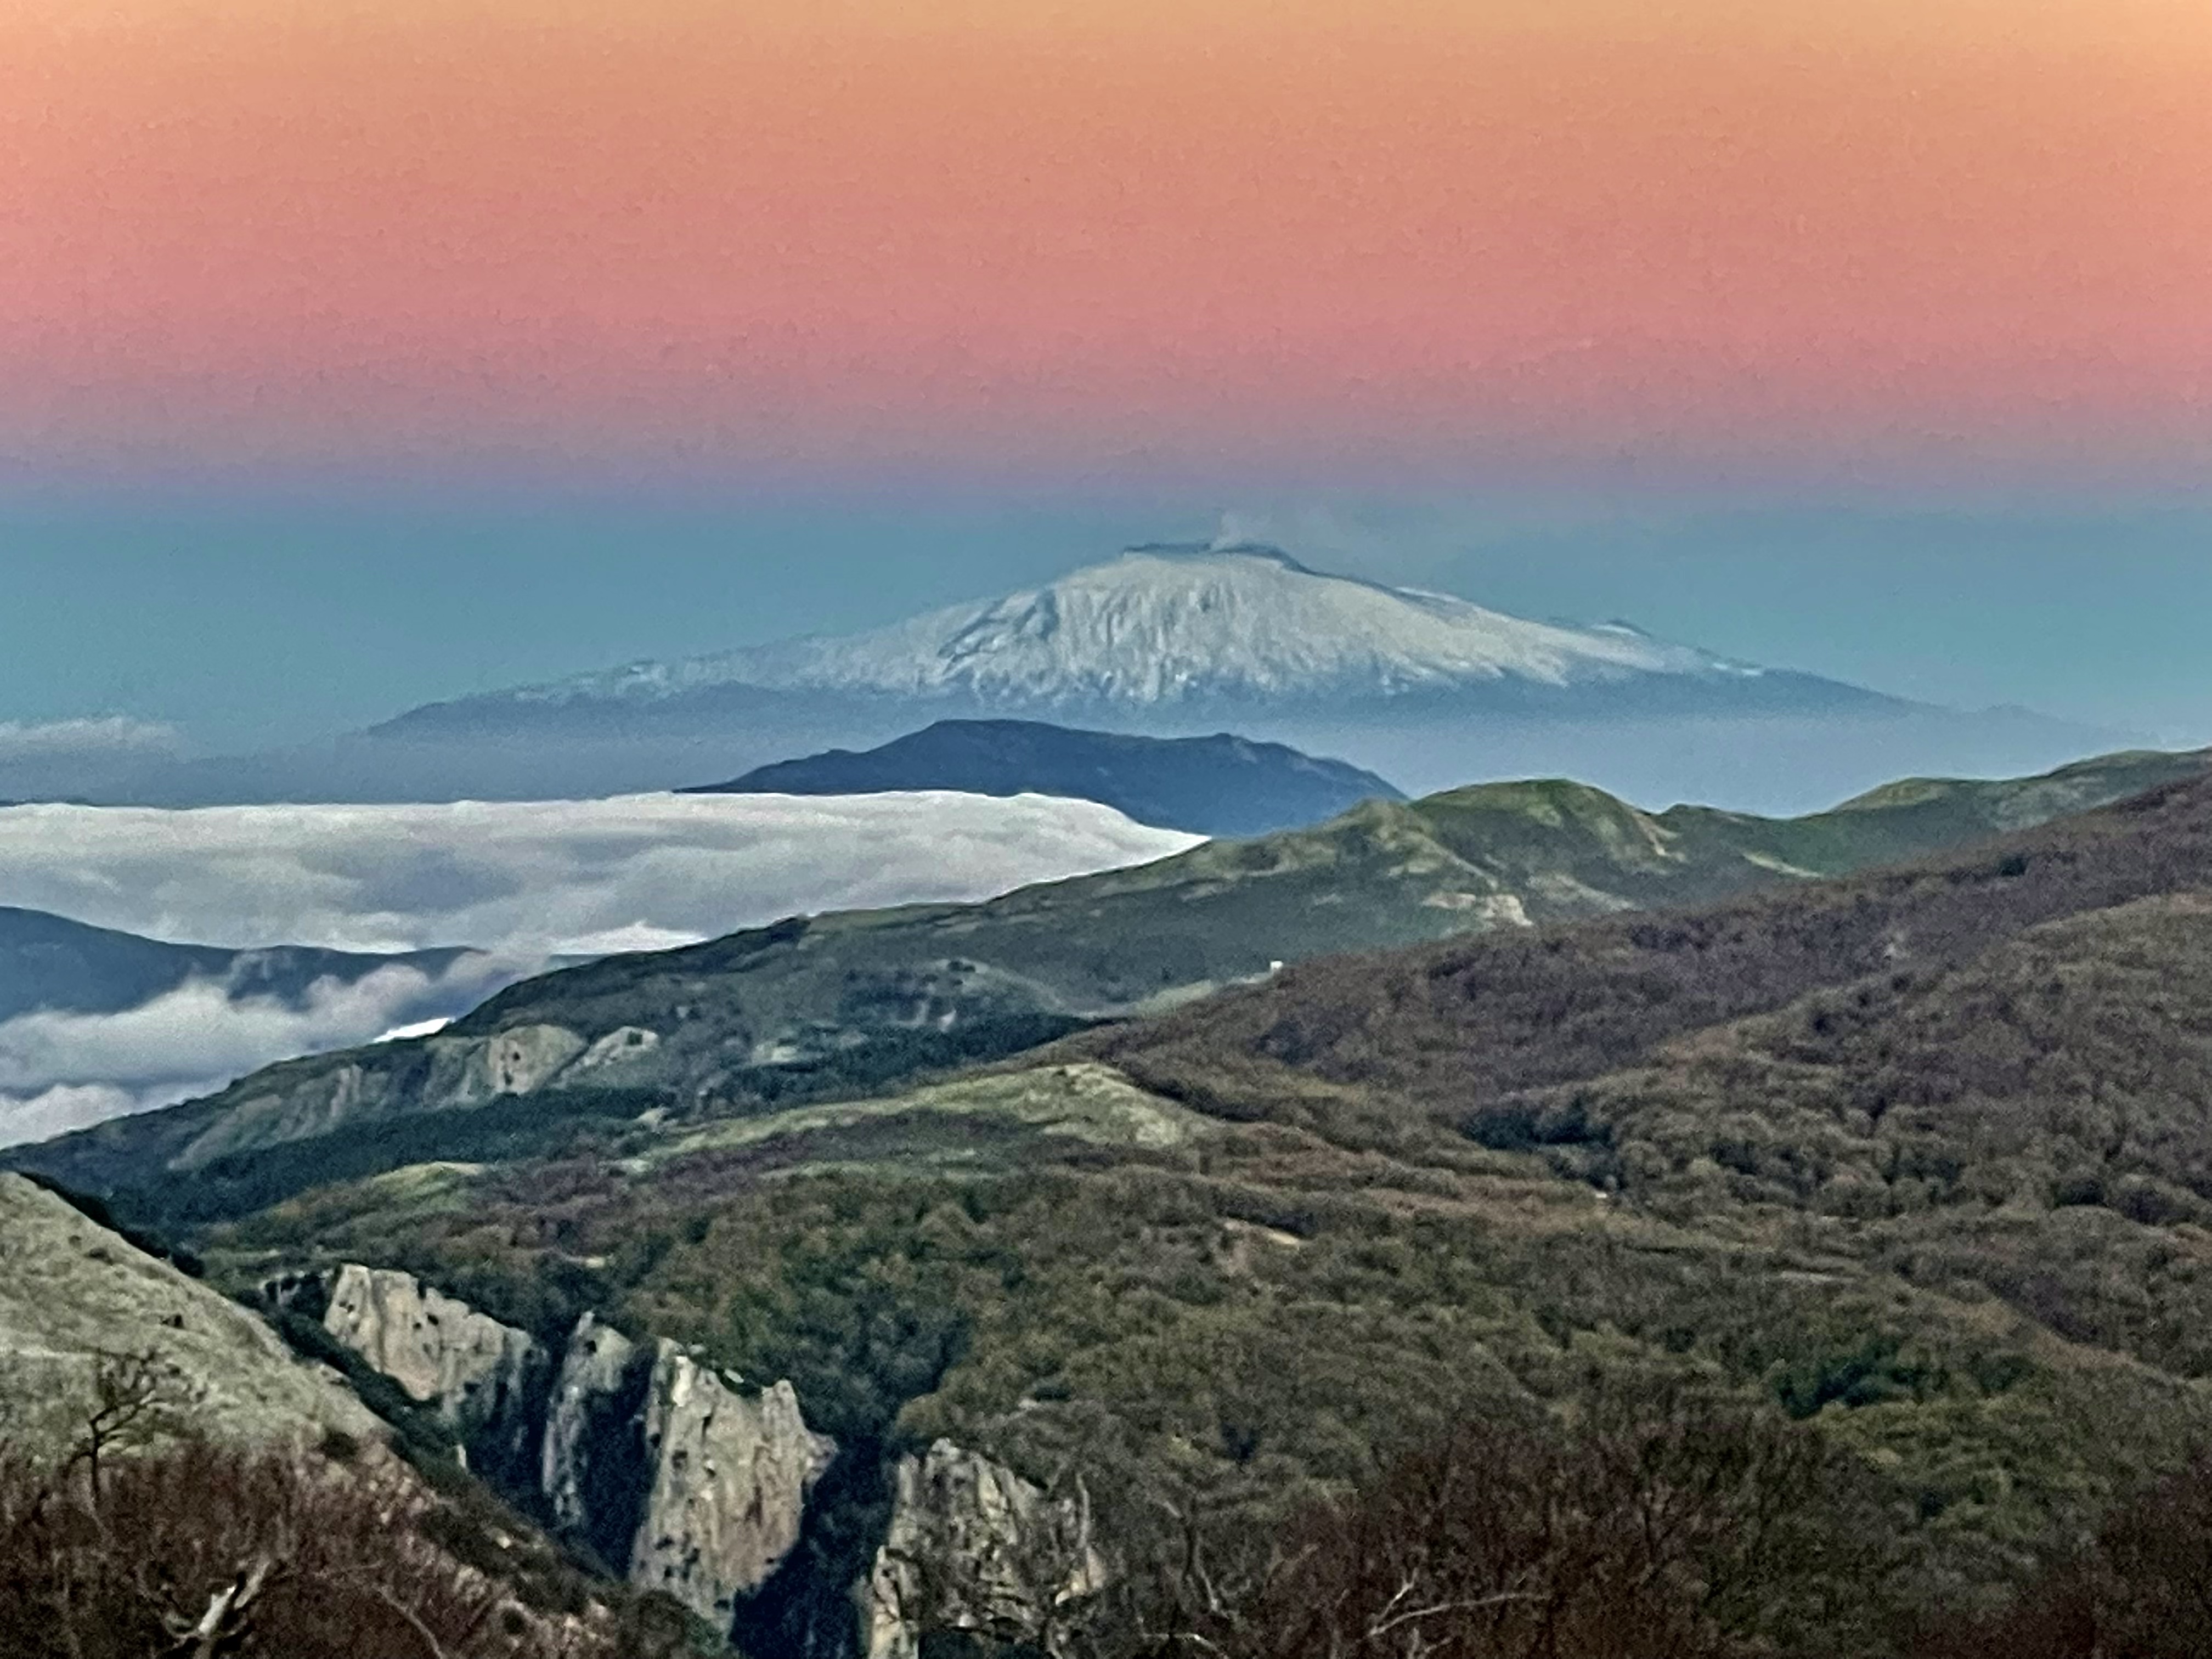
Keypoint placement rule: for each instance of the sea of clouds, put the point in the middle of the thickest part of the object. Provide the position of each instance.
(521, 882)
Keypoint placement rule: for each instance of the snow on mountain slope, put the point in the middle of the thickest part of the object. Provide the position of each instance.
(1175, 641)
(1164, 625)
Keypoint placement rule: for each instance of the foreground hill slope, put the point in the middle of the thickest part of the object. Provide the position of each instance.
(1916, 1157)
(178, 1478)
(850, 1001)
(75, 1295)
(1213, 786)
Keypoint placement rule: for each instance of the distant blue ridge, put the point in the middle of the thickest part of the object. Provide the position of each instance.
(1222, 785)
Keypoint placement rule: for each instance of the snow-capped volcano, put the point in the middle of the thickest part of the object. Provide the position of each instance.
(1174, 641)
(1168, 625)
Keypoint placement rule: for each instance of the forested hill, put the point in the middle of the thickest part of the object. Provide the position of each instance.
(1465, 1025)
(1874, 1209)
(851, 1002)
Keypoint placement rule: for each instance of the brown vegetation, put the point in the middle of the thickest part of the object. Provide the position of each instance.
(1662, 1528)
(139, 1540)
(1676, 1527)
(2140, 1589)
(203, 1551)
(1914, 1169)
(1450, 1027)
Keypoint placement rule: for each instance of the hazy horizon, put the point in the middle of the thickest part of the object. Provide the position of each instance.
(377, 354)
(278, 620)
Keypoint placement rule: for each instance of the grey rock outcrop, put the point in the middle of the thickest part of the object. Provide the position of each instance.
(480, 1375)
(451, 1072)
(974, 1547)
(618, 1047)
(731, 1473)
(673, 1474)
(521, 1058)
(591, 1423)
(680, 1478)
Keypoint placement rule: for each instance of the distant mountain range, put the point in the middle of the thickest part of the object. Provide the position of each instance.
(1213, 786)
(842, 1003)
(1170, 641)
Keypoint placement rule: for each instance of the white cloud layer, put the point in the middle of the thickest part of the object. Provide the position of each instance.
(522, 880)
(102, 735)
(62, 1070)
(64, 1107)
(540, 877)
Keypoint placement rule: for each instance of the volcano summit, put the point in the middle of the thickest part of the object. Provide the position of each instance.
(1176, 639)
(1172, 640)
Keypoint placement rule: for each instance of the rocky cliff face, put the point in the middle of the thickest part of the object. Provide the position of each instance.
(479, 1375)
(974, 1547)
(444, 1071)
(671, 1472)
(589, 1473)
(681, 1480)
(731, 1473)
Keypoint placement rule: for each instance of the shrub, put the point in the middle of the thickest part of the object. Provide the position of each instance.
(1695, 1529)
(206, 1550)
(2142, 1588)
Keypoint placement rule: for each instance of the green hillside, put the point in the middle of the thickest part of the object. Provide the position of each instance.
(855, 1001)
(1915, 1161)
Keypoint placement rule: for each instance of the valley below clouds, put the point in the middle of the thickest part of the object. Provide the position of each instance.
(519, 884)
(62, 1070)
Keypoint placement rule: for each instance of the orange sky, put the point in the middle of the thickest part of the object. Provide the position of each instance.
(1943, 239)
